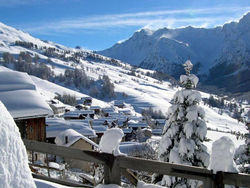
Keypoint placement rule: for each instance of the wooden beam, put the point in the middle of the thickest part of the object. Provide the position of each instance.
(61, 182)
(66, 152)
(170, 169)
(113, 165)
(239, 179)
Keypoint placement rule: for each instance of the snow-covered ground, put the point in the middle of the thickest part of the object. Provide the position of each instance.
(46, 184)
(14, 168)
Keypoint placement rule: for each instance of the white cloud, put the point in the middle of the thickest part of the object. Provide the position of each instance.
(151, 19)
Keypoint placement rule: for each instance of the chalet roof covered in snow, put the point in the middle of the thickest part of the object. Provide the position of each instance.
(56, 103)
(139, 124)
(19, 95)
(127, 130)
(94, 107)
(78, 113)
(100, 129)
(57, 125)
(72, 136)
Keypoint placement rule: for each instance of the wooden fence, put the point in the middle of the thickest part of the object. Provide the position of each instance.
(115, 166)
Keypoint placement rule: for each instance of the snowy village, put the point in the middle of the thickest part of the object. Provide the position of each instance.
(167, 107)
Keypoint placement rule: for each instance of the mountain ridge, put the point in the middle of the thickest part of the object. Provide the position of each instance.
(166, 49)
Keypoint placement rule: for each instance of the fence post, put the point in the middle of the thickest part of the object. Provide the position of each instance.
(209, 182)
(219, 180)
(112, 171)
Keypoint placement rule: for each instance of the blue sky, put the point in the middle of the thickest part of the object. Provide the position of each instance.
(98, 24)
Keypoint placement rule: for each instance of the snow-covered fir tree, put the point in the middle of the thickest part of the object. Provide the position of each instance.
(242, 155)
(184, 132)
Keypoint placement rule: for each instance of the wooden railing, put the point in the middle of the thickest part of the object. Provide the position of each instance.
(115, 166)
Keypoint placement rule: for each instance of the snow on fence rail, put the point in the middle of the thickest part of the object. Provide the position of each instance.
(114, 166)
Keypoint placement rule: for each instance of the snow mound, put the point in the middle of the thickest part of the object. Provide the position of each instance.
(47, 184)
(222, 155)
(14, 169)
(141, 184)
(107, 186)
(110, 141)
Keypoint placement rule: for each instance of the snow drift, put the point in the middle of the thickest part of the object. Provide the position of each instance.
(222, 155)
(110, 141)
(14, 169)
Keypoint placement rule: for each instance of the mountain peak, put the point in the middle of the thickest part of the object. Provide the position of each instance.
(245, 20)
(173, 45)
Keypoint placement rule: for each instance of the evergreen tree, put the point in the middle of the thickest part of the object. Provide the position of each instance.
(242, 154)
(184, 132)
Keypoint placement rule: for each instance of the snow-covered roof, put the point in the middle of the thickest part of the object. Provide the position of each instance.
(139, 124)
(86, 98)
(94, 107)
(119, 103)
(103, 119)
(115, 114)
(13, 80)
(108, 109)
(161, 121)
(127, 131)
(57, 125)
(56, 103)
(87, 111)
(125, 111)
(100, 129)
(72, 136)
(157, 131)
(72, 114)
(77, 113)
(19, 95)
(136, 118)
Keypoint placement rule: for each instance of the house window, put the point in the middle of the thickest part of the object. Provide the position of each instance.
(66, 140)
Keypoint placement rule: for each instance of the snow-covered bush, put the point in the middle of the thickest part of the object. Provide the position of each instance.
(222, 155)
(184, 132)
(242, 156)
(14, 168)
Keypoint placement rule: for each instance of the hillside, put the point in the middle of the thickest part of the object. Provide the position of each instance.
(133, 86)
(221, 54)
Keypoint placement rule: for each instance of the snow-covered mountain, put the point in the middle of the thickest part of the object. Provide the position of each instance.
(133, 86)
(219, 53)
